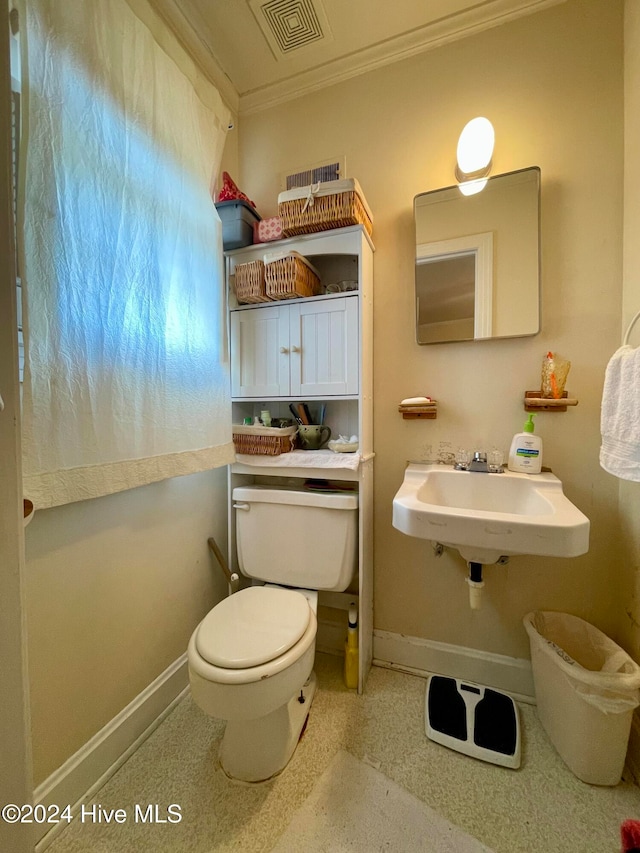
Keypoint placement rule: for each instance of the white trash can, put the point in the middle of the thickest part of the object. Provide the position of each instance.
(586, 689)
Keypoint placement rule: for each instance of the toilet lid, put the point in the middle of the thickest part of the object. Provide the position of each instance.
(252, 627)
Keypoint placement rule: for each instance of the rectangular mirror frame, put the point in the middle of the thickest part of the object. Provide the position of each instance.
(502, 230)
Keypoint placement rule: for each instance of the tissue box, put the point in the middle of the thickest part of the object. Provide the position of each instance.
(267, 230)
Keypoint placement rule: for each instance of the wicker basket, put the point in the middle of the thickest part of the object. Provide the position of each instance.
(249, 282)
(263, 441)
(335, 204)
(291, 276)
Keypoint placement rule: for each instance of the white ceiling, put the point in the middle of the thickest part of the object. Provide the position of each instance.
(314, 43)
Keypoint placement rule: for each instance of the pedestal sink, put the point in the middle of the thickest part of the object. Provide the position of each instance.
(488, 516)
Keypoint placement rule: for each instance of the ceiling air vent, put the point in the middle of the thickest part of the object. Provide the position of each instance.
(289, 25)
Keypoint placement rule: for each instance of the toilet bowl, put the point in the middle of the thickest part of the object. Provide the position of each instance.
(251, 658)
(250, 663)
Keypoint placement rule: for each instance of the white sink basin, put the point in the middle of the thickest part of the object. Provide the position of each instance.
(487, 516)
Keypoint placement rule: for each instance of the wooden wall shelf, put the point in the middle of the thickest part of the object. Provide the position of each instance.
(535, 402)
(426, 412)
(412, 416)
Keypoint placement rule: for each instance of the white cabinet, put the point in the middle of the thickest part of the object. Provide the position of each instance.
(260, 352)
(318, 349)
(308, 348)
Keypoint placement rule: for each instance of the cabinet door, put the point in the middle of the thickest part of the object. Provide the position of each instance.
(260, 352)
(324, 347)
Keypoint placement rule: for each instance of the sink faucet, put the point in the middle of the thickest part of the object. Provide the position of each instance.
(479, 462)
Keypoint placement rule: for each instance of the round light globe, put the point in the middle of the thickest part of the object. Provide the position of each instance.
(475, 146)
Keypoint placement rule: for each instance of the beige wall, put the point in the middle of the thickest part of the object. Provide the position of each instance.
(115, 587)
(630, 492)
(552, 84)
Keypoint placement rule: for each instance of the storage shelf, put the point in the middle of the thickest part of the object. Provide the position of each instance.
(296, 399)
(300, 463)
(311, 239)
(305, 299)
(287, 375)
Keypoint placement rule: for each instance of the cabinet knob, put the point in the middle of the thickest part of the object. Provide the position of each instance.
(295, 349)
(284, 350)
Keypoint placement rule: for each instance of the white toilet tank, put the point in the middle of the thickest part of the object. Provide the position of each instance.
(297, 537)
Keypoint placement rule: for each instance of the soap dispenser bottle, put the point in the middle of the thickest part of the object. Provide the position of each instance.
(351, 650)
(525, 454)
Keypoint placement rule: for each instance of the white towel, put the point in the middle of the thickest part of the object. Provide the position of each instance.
(304, 459)
(620, 415)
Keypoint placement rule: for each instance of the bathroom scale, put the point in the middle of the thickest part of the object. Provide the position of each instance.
(472, 719)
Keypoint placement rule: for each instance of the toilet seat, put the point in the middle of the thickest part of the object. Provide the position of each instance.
(221, 675)
(253, 627)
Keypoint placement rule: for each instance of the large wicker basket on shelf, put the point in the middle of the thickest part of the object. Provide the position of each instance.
(290, 277)
(249, 282)
(335, 204)
(263, 441)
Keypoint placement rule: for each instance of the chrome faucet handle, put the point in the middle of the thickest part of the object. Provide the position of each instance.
(462, 459)
(495, 459)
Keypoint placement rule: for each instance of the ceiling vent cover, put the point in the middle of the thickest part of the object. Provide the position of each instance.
(289, 25)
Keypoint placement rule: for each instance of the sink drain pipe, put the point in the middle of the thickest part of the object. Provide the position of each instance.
(475, 585)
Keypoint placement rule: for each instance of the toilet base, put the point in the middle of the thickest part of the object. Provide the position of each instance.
(257, 750)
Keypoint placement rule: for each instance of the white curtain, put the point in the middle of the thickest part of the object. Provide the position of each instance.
(126, 380)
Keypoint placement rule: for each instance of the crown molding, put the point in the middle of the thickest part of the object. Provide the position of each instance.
(193, 35)
(452, 28)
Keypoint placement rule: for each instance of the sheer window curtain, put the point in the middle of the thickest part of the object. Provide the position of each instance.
(126, 380)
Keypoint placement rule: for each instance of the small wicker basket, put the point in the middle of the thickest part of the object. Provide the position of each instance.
(290, 277)
(249, 283)
(335, 204)
(263, 441)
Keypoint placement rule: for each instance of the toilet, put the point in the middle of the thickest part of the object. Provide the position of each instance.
(251, 658)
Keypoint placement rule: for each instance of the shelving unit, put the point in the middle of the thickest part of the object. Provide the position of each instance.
(317, 350)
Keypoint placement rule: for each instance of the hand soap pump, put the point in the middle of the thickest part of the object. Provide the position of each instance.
(351, 650)
(525, 454)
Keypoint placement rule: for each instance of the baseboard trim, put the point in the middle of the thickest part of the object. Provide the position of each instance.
(425, 657)
(82, 775)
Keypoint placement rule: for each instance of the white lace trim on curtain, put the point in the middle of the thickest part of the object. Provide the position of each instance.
(126, 378)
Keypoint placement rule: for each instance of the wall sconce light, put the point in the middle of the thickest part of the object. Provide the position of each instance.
(474, 153)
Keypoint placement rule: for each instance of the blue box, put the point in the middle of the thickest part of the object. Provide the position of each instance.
(237, 219)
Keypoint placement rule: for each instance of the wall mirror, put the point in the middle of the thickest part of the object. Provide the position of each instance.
(478, 260)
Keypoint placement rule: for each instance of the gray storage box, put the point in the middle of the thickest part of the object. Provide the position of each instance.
(237, 219)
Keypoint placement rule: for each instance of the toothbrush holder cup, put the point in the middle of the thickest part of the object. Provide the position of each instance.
(313, 436)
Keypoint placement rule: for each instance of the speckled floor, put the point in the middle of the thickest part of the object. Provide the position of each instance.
(541, 808)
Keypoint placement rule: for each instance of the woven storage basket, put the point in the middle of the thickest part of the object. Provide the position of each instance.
(335, 204)
(290, 277)
(249, 282)
(263, 441)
